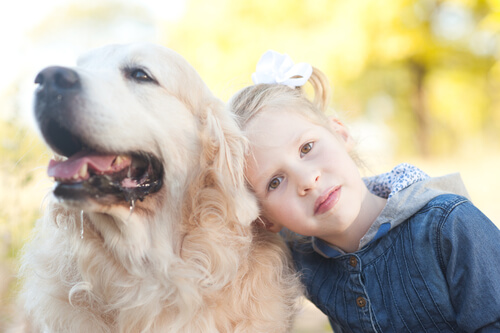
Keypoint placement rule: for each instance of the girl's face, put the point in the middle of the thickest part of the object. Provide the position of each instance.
(303, 175)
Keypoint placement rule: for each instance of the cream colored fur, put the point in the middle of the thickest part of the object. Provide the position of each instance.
(188, 258)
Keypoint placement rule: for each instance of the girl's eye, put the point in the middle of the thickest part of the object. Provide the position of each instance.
(306, 148)
(274, 183)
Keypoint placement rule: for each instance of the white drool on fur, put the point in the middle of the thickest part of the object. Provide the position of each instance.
(81, 224)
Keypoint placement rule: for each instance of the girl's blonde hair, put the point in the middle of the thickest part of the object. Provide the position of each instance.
(250, 101)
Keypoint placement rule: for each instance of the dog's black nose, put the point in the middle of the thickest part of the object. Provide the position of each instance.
(54, 107)
(58, 79)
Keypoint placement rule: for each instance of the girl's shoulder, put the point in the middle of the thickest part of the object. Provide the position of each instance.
(447, 218)
(437, 213)
(448, 202)
(445, 206)
(454, 220)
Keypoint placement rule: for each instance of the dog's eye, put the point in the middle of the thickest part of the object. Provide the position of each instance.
(140, 75)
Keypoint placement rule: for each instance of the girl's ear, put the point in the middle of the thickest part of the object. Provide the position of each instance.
(266, 224)
(343, 132)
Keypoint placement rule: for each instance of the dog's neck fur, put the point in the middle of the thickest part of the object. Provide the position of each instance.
(102, 294)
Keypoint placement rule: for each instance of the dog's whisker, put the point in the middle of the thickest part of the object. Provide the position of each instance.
(81, 224)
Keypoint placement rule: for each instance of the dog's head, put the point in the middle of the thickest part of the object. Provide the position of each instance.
(131, 122)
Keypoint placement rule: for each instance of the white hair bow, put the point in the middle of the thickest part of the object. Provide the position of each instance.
(274, 67)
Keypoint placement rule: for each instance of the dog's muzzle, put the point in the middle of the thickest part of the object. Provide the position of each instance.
(84, 170)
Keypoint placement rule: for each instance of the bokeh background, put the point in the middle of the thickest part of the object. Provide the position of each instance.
(416, 80)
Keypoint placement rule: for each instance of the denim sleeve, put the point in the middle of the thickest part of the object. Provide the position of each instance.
(469, 254)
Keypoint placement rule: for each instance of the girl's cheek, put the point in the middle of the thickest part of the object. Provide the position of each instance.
(273, 206)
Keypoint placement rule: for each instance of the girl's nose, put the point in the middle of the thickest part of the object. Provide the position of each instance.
(307, 182)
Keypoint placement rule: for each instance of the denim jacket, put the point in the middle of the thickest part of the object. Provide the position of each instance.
(430, 263)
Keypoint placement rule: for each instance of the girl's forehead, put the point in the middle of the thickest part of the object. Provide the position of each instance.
(276, 124)
(274, 117)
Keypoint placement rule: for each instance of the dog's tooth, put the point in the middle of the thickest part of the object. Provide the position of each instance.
(118, 160)
(83, 170)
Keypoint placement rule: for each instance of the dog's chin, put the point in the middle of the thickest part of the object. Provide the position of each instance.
(105, 179)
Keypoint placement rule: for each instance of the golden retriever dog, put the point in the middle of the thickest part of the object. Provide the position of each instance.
(149, 224)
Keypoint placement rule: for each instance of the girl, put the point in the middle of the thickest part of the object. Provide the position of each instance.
(398, 252)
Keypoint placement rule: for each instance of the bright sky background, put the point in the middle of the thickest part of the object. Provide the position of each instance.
(22, 58)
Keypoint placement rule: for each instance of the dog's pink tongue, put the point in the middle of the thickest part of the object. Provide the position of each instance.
(71, 167)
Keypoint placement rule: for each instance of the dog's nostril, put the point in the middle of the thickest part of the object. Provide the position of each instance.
(59, 77)
(39, 79)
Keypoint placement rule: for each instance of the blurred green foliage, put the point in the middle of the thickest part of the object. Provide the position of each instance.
(23, 158)
(437, 61)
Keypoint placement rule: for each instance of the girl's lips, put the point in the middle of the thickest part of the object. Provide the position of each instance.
(327, 200)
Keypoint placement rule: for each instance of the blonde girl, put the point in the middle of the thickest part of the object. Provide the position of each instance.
(397, 252)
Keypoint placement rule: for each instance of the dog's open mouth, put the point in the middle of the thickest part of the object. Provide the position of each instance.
(122, 177)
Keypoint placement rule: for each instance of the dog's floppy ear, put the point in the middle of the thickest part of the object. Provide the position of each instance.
(222, 163)
(218, 206)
